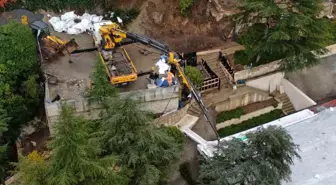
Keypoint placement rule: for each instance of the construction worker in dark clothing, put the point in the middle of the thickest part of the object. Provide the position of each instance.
(153, 76)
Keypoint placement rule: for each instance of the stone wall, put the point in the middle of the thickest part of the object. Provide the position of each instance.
(248, 116)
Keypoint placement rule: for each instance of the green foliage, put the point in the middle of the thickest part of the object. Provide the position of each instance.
(32, 169)
(54, 5)
(101, 85)
(76, 154)
(194, 74)
(142, 147)
(3, 146)
(127, 15)
(263, 159)
(185, 6)
(253, 122)
(175, 133)
(19, 92)
(227, 115)
(288, 31)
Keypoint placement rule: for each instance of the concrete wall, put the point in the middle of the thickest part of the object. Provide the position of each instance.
(267, 83)
(298, 98)
(248, 116)
(156, 100)
(172, 118)
(241, 99)
(257, 71)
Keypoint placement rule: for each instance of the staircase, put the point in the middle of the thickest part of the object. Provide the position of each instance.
(287, 106)
(195, 109)
(212, 60)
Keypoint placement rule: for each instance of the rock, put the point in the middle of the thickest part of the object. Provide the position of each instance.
(157, 17)
(185, 22)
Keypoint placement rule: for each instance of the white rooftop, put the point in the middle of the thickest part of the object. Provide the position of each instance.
(317, 139)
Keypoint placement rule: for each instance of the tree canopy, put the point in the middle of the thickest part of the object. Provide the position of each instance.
(286, 30)
(263, 158)
(3, 146)
(19, 91)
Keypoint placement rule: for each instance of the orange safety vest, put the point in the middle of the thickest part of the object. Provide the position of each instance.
(170, 78)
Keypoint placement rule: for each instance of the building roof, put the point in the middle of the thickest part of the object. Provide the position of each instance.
(317, 139)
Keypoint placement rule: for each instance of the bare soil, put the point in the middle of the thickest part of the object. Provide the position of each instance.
(162, 20)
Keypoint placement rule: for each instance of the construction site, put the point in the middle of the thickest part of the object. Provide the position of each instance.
(146, 61)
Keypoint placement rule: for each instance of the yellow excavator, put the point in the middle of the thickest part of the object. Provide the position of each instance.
(51, 46)
(111, 38)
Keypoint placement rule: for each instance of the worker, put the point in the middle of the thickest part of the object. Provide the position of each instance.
(170, 78)
(152, 76)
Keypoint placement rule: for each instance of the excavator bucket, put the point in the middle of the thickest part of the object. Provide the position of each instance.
(53, 47)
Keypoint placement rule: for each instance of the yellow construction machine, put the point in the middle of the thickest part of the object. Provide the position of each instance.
(51, 46)
(110, 39)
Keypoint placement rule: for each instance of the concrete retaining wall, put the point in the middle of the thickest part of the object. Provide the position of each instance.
(248, 116)
(156, 100)
(298, 98)
(268, 83)
(171, 119)
(239, 100)
(257, 71)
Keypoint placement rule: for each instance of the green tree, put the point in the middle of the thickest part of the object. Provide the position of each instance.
(286, 30)
(195, 75)
(101, 87)
(263, 158)
(32, 169)
(3, 146)
(76, 154)
(19, 92)
(144, 148)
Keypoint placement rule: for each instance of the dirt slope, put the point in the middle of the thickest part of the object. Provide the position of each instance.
(161, 19)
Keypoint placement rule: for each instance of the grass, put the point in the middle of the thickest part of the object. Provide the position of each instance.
(227, 115)
(251, 123)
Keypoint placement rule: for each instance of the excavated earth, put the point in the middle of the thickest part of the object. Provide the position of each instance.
(207, 26)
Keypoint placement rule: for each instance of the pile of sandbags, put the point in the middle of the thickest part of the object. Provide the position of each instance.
(74, 24)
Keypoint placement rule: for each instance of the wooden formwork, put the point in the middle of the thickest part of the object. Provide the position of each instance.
(209, 85)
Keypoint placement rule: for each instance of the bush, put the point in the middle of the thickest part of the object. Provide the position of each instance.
(185, 6)
(227, 115)
(195, 75)
(127, 15)
(253, 122)
(175, 133)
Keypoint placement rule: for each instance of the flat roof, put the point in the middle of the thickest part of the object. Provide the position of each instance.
(317, 139)
(74, 78)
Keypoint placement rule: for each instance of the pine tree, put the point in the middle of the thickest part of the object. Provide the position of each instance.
(281, 29)
(101, 87)
(264, 158)
(75, 154)
(143, 147)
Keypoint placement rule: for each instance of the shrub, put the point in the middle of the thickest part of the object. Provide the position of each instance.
(175, 133)
(227, 115)
(253, 122)
(185, 6)
(127, 15)
(194, 74)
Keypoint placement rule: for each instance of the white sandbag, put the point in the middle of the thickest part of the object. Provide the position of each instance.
(69, 24)
(96, 18)
(57, 24)
(86, 16)
(73, 31)
(69, 16)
